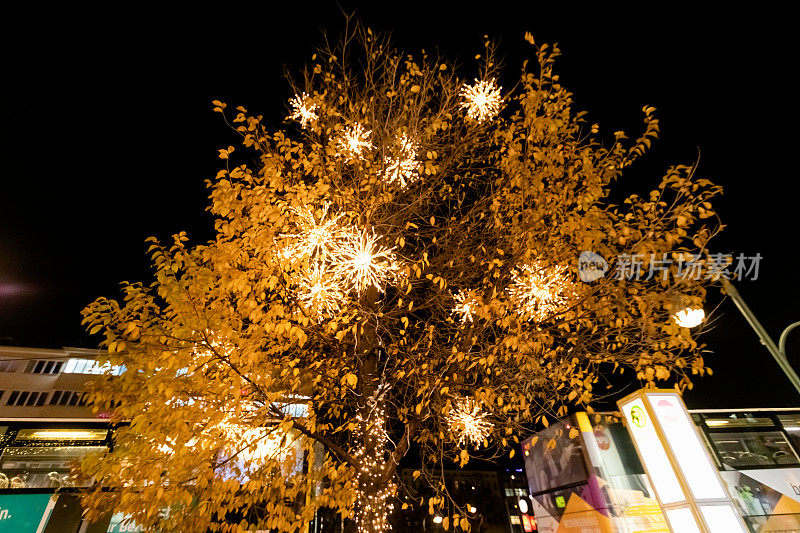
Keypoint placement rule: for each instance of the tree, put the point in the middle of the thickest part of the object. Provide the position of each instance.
(396, 267)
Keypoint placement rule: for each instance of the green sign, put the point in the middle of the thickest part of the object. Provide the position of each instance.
(22, 513)
(560, 503)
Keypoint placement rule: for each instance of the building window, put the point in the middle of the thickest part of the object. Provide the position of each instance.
(26, 398)
(753, 449)
(90, 366)
(68, 398)
(44, 366)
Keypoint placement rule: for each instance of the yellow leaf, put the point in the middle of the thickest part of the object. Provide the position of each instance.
(351, 379)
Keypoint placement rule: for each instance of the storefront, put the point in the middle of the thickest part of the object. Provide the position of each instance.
(38, 493)
(585, 476)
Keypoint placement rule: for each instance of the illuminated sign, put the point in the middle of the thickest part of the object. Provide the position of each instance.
(685, 479)
(25, 513)
(560, 502)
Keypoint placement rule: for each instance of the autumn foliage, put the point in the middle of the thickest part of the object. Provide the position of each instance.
(393, 268)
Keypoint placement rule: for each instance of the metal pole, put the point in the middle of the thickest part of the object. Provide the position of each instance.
(766, 340)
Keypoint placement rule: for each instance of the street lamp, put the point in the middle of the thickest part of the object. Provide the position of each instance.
(779, 351)
(689, 317)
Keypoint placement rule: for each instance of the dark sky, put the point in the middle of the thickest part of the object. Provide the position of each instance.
(107, 135)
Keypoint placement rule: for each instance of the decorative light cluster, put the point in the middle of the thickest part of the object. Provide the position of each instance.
(372, 494)
(467, 422)
(482, 100)
(335, 260)
(354, 140)
(320, 292)
(304, 110)
(315, 240)
(362, 262)
(403, 168)
(465, 306)
(540, 292)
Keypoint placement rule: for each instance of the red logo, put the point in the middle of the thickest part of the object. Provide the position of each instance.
(603, 442)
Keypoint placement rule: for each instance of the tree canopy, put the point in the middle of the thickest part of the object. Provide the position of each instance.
(396, 266)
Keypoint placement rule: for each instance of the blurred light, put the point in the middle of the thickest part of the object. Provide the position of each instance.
(523, 505)
(472, 509)
(437, 519)
(689, 318)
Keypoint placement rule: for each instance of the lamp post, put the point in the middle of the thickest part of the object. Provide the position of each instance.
(779, 351)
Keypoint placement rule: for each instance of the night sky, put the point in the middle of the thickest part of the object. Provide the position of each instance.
(108, 135)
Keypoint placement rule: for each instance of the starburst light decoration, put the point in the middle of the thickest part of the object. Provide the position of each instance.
(465, 306)
(354, 140)
(315, 238)
(482, 100)
(467, 422)
(304, 110)
(362, 263)
(320, 292)
(540, 292)
(403, 168)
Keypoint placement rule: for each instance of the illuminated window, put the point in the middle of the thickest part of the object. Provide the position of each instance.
(91, 366)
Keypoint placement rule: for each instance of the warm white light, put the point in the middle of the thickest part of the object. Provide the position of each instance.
(315, 238)
(482, 100)
(303, 109)
(540, 292)
(320, 292)
(464, 309)
(403, 168)
(523, 505)
(467, 422)
(437, 519)
(689, 318)
(362, 263)
(354, 140)
(472, 509)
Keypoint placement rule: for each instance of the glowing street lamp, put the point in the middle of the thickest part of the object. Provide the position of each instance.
(689, 317)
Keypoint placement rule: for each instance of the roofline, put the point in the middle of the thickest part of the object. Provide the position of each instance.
(748, 410)
(65, 351)
(3, 420)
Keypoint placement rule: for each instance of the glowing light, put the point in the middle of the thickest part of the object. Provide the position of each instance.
(689, 318)
(437, 519)
(354, 140)
(320, 292)
(482, 100)
(403, 168)
(372, 512)
(467, 422)
(316, 238)
(362, 263)
(540, 292)
(303, 109)
(465, 306)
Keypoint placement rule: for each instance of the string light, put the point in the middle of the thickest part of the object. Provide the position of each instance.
(354, 140)
(465, 306)
(372, 494)
(362, 263)
(304, 109)
(467, 422)
(482, 100)
(540, 292)
(403, 169)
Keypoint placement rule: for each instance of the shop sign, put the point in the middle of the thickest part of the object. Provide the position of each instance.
(25, 513)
